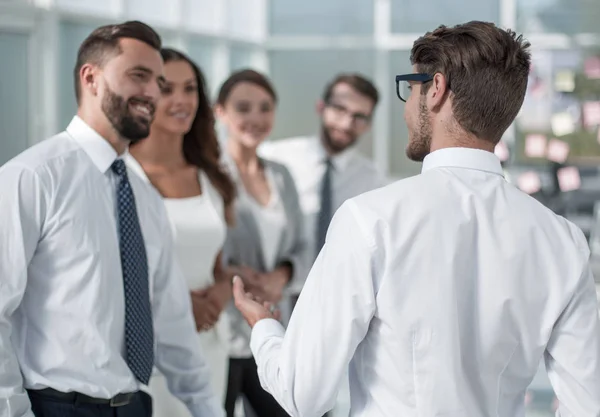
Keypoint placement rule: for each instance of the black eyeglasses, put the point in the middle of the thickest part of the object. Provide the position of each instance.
(403, 86)
(359, 119)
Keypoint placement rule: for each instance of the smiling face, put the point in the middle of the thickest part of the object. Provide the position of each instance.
(248, 113)
(179, 101)
(345, 117)
(126, 88)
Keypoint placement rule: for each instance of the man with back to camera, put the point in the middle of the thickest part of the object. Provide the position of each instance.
(89, 290)
(442, 291)
(328, 169)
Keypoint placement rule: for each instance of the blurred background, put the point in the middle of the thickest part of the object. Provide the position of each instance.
(552, 151)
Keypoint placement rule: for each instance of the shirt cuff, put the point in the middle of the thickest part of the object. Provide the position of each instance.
(264, 330)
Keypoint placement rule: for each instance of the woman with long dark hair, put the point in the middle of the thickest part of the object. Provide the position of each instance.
(181, 159)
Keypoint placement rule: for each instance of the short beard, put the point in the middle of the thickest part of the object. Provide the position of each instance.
(420, 145)
(331, 145)
(116, 109)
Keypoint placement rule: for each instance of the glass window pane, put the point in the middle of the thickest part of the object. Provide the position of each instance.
(244, 19)
(153, 11)
(560, 16)
(400, 165)
(203, 15)
(314, 17)
(91, 7)
(300, 78)
(201, 52)
(14, 94)
(563, 103)
(70, 37)
(240, 57)
(412, 16)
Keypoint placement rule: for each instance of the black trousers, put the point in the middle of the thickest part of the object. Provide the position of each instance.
(243, 380)
(45, 406)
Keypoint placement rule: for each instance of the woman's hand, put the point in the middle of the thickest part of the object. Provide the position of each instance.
(273, 284)
(205, 312)
(219, 295)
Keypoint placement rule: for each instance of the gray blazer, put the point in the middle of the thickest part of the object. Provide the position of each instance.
(243, 244)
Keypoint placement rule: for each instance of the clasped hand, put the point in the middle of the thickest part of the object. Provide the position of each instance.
(208, 303)
(267, 286)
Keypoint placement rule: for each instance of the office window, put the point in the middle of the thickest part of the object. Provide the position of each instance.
(300, 78)
(91, 7)
(14, 94)
(201, 52)
(71, 35)
(561, 108)
(318, 17)
(240, 57)
(203, 16)
(245, 19)
(153, 11)
(560, 16)
(415, 16)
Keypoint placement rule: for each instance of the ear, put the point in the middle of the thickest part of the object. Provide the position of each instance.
(437, 91)
(320, 106)
(88, 78)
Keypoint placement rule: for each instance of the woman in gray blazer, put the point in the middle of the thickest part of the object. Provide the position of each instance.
(266, 243)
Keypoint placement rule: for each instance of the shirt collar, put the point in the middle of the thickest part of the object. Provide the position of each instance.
(98, 149)
(467, 158)
(340, 161)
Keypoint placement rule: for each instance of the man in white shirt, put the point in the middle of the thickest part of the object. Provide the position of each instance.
(90, 296)
(442, 292)
(328, 169)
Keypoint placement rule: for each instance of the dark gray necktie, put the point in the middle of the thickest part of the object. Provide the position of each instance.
(326, 210)
(139, 334)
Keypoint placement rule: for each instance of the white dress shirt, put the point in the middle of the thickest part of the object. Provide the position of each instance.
(61, 284)
(305, 157)
(441, 293)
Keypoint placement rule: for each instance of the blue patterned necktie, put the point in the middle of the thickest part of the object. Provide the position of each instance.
(326, 210)
(139, 333)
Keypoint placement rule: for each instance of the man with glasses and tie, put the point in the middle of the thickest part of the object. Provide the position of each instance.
(327, 168)
(90, 297)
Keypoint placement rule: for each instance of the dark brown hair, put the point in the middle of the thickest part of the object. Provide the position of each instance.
(200, 145)
(358, 83)
(486, 69)
(244, 76)
(103, 43)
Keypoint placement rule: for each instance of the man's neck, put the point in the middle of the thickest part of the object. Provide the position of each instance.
(451, 136)
(102, 126)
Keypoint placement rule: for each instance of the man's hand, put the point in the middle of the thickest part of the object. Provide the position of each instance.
(251, 307)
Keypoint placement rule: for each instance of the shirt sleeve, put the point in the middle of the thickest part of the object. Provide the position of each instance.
(23, 203)
(304, 367)
(178, 350)
(573, 353)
